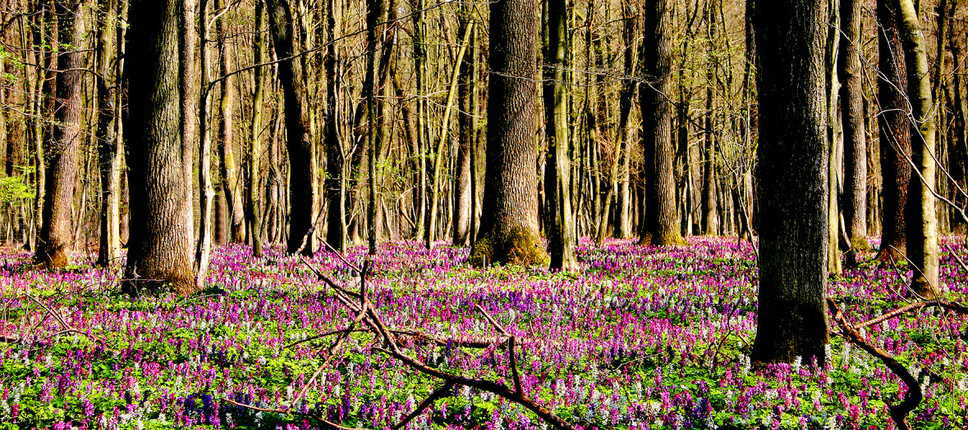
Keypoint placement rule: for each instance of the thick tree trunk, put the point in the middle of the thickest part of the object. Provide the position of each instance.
(922, 226)
(557, 180)
(55, 242)
(792, 175)
(300, 148)
(895, 133)
(160, 247)
(661, 226)
(855, 134)
(509, 229)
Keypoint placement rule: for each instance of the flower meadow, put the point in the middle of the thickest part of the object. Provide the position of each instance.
(639, 338)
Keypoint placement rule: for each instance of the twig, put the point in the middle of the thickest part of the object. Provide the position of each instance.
(913, 395)
(444, 391)
(285, 411)
(491, 320)
(951, 306)
(69, 328)
(957, 257)
(514, 367)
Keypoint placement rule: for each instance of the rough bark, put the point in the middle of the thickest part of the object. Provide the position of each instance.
(255, 137)
(792, 176)
(463, 199)
(231, 186)
(160, 246)
(895, 133)
(509, 229)
(108, 139)
(298, 145)
(63, 152)
(661, 222)
(855, 133)
(335, 157)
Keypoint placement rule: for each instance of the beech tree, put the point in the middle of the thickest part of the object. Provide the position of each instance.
(792, 175)
(160, 249)
(855, 133)
(509, 229)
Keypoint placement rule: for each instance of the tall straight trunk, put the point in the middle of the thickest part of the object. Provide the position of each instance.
(710, 181)
(110, 153)
(422, 143)
(509, 229)
(922, 226)
(252, 172)
(834, 266)
(191, 87)
(231, 185)
(661, 225)
(160, 246)
(298, 145)
(557, 182)
(895, 132)
(855, 133)
(623, 203)
(335, 156)
(209, 229)
(959, 148)
(792, 174)
(55, 242)
(463, 198)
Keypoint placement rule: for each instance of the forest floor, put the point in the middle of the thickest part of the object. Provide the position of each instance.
(640, 338)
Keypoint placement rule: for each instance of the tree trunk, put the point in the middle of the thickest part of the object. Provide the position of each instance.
(792, 176)
(298, 145)
(463, 199)
(160, 247)
(661, 226)
(922, 226)
(63, 153)
(110, 153)
(335, 156)
(231, 186)
(895, 133)
(255, 136)
(855, 134)
(557, 181)
(509, 229)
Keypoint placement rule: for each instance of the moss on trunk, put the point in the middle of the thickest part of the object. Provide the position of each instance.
(516, 246)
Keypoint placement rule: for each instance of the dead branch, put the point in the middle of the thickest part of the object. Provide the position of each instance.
(444, 391)
(951, 306)
(913, 395)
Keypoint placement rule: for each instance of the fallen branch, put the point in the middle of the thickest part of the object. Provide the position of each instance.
(951, 306)
(913, 395)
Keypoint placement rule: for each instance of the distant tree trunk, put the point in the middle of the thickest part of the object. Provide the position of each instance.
(192, 71)
(710, 181)
(231, 186)
(855, 134)
(661, 225)
(335, 157)
(792, 176)
(557, 182)
(922, 226)
(509, 229)
(109, 148)
(160, 247)
(895, 133)
(834, 266)
(255, 136)
(297, 137)
(55, 242)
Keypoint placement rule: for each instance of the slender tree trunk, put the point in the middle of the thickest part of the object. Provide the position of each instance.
(297, 137)
(110, 152)
(55, 242)
(661, 225)
(557, 181)
(463, 198)
(855, 134)
(922, 226)
(792, 322)
(160, 247)
(255, 136)
(895, 133)
(335, 156)
(191, 88)
(710, 181)
(509, 229)
(231, 185)
(834, 266)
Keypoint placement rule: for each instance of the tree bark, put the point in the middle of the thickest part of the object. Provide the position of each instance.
(895, 133)
(922, 226)
(160, 246)
(255, 136)
(661, 224)
(231, 186)
(335, 156)
(110, 155)
(855, 133)
(463, 199)
(63, 153)
(792, 174)
(557, 180)
(298, 145)
(509, 230)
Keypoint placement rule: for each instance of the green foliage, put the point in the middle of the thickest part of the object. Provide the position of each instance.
(14, 189)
